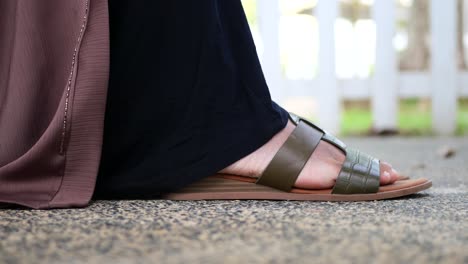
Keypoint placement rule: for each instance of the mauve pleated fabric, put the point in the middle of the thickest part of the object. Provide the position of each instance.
(54, 60)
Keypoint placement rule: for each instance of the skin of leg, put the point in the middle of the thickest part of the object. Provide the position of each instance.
(320, 171)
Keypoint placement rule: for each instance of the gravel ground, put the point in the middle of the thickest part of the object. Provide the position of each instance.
(430, 227)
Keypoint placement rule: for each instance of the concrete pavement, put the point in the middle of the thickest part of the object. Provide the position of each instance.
(431, 227)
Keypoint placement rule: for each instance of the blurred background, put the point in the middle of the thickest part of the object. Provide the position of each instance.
(360, 67)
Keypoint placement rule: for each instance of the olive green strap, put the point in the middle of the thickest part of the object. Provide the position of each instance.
(360, 174)
(334, 141)
(288, 162)
(326, 136)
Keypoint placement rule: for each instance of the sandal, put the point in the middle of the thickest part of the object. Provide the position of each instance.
(358, 180)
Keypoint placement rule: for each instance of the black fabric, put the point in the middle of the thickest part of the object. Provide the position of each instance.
(186, 98)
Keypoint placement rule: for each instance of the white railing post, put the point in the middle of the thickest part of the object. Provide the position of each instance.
(330, 98)
(268, 20)
(444, 66)
(384, 90)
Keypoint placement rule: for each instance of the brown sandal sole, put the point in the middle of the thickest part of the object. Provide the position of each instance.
(232, 187)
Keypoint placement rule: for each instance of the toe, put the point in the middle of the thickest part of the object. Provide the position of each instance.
(388, 174)
(399, 176)
(385, 166)
(385, 178)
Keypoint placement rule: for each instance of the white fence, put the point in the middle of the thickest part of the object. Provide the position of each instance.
(444, 83)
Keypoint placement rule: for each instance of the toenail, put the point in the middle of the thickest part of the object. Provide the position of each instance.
(386, 176)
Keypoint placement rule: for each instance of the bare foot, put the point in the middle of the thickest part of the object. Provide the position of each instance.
(320, 171)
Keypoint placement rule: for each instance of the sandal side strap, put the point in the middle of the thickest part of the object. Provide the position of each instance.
(359, 174)
(334, 141)
(326, 136)
(283, 170)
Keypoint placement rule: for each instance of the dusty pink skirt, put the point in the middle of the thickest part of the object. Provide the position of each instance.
(54, 63)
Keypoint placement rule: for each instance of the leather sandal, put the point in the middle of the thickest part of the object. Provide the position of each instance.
(358, 180)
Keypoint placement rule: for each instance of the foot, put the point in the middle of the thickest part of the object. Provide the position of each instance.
(320, 171)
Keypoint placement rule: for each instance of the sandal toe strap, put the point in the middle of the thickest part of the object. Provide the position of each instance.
(360, 174)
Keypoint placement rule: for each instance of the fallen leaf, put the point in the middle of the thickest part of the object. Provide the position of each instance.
(446, 152)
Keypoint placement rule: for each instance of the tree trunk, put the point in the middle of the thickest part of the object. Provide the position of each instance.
(416, 56)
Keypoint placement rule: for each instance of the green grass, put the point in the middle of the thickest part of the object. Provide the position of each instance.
(462, 118)
(356, 121)
(414, 118)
